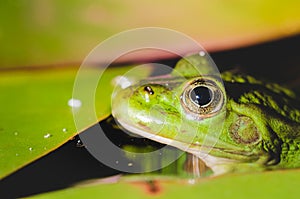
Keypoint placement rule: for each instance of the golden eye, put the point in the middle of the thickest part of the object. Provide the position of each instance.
(202, 98)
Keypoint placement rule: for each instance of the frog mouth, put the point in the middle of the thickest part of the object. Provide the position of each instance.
(207, 153)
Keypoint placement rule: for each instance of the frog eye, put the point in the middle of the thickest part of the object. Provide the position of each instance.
(201, 95)
(202, 98)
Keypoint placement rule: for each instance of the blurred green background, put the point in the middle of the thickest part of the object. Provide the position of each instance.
(43, 32)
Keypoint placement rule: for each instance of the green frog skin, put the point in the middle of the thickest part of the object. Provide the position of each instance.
(233, 122)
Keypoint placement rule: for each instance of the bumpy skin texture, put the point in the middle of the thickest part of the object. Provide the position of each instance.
(275, 112)
(248, 125)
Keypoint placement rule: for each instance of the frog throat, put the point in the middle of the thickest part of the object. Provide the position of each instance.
(217, 164)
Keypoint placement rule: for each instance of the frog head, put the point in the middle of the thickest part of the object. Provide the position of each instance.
(206, 114)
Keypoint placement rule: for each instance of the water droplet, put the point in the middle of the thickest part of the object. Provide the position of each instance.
(201, 53)
(130, 164)
(117, 162)
(121, 81)
(79, 143)
(47, 135)
(65, 130)
(16, 133)
(17, 154)
(45, 148)
(198, 143)
(75, 103)
(30, 149)
(191, 181)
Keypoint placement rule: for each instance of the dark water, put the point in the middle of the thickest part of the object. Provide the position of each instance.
(278, 61)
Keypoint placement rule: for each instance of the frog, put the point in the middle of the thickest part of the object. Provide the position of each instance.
(232, 121)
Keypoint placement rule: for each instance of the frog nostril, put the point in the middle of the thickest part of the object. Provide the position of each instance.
(149, 90)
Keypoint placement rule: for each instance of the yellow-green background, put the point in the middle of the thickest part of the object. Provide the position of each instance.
(39, 32)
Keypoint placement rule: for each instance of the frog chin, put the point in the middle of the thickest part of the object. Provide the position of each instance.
(218, 165)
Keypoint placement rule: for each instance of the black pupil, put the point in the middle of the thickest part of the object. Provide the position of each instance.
(201, 95)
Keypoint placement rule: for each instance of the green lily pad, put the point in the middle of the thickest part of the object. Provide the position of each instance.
(278, 184)
(35, 117)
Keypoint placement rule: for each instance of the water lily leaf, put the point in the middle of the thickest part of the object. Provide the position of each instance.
(278, 184)
(35, 113)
